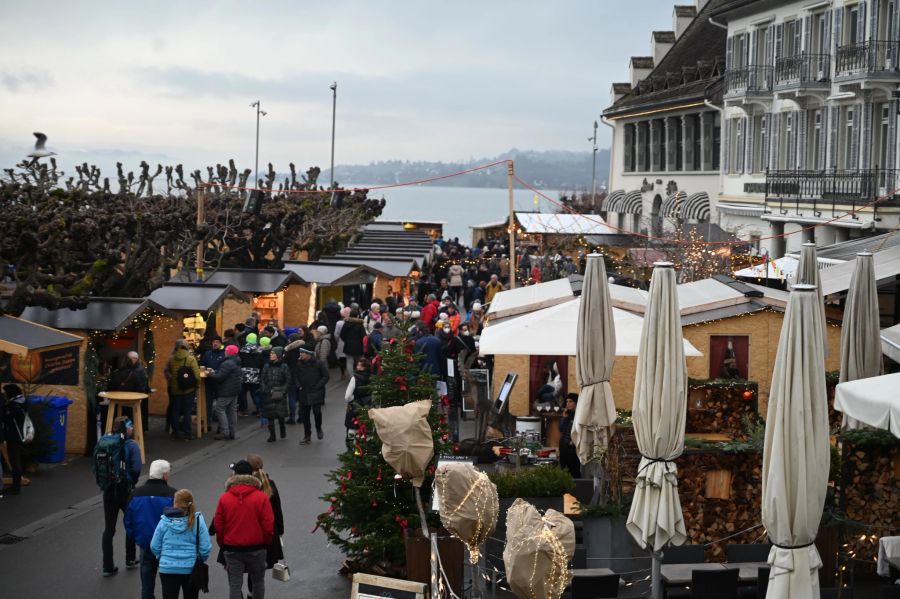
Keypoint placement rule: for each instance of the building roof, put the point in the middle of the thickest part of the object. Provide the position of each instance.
(100, 314)
(331, 274)
(253, 280)
(19, 336)
(194, 297)
(642, 62)
(386, 266)
(695, 61)
(836, 279)
(685, 10)
(664, 37)
(529, 298)
(847, 250)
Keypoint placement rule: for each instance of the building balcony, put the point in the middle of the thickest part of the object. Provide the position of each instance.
(832, 190)
(803, 72)
(875, 58)
(753, 80)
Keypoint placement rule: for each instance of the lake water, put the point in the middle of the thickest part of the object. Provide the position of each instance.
(458, 207)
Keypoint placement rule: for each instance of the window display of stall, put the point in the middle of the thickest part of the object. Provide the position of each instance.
(269, 307)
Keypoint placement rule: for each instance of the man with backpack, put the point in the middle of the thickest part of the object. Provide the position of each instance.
(184, 376)
(145, 508)
(117, 467)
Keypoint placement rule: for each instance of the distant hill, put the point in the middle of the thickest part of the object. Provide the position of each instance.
(560, 170)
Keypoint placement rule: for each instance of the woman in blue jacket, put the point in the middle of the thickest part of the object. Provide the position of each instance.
(176, 545)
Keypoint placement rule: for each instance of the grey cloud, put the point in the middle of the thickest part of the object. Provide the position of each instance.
(22, 81)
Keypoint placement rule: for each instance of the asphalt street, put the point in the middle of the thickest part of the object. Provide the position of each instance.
(60, 554)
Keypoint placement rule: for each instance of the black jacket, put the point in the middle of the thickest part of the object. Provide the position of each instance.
(228, 377)
(352, 334)
(332, 315)
(311, 376)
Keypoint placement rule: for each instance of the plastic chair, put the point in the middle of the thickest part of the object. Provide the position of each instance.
(685, 554)
(715, 584)
(595, 587)
(753, 552)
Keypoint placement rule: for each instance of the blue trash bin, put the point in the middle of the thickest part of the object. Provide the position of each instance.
(56, 415)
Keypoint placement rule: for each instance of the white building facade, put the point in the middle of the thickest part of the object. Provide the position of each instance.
(809, 127)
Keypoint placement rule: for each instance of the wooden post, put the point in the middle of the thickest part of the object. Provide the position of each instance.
(510, 171)
(201, 220)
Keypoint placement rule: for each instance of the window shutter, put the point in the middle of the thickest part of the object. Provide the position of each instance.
(655, 144)
(834, 123)
(672, 148)
(707, 124)
(641, 153)
(807, 34)
(764, 139)
(775, 128)
(739, 143)
(823, 144)
(838, 27)
(770, 47)
(687, 125)
(861, 22)
(729, 53)
(779, 41)
(628, 164)
(726, 134)
(892, 141)
(853, 161)
(800, 122)
(749, 167)
(867, 135)
(873, 23)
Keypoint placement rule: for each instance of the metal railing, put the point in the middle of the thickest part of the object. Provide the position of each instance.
(753, 78)
(825, 189)
(802, 69)
(872, 56)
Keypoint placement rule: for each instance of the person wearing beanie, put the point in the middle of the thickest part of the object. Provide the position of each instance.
(250, 327)
(274, 379)
(244, 526)
(324, 346)
(252, 361)
(228, 379)
(145, 508)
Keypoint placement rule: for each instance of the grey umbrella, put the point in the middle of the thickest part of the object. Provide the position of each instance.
(658, 412)
(595, 414)
(808, 273)
(860, 333)
(796, 455)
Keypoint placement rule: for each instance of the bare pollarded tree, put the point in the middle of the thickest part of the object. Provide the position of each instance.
(62, 239)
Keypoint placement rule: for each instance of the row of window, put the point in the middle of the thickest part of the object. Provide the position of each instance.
(689, 142)
(846, 137)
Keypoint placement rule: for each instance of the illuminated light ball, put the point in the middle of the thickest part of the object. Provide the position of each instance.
(748, 395)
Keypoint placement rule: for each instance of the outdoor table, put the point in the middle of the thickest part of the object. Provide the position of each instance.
(126, 399)
(677, 575)
(749, 571)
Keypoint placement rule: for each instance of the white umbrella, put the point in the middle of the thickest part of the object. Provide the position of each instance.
(860, 333)
(796, 455)
(659, 411)
(808, 273)
(595, 414)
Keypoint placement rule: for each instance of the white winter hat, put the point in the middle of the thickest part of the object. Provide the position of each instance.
(322, 329)
(375, 306)
(476, 307)
(443, 316)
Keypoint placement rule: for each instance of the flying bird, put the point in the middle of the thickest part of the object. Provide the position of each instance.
(39, 150)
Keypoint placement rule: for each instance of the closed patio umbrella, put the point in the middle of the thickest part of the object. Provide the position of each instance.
(595, 413)
(658, 412)
(808, 273)
(860, 333)
(796, 455)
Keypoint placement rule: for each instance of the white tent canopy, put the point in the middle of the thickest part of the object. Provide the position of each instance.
(890, 342)
(530, 298)
(872, 401)
(553, 331)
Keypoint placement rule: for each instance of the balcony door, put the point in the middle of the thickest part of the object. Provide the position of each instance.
(882, 114)
(815, 154)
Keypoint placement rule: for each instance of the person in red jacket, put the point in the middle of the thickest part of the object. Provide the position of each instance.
(430, 312)
(244, 525)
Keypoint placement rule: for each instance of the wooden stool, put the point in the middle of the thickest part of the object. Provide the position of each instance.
(126, 399)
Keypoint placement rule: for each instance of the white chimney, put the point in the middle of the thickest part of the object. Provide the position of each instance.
(661, 42)
(682, 17)
(640, 67)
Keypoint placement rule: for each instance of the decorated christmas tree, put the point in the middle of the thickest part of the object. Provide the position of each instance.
(372, 506)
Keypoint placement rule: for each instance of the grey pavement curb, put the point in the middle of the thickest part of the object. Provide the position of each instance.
(65, 515)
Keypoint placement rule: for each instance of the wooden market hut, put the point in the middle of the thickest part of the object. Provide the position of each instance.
(279, 295)
(193, 305)
(326, 281)
(108, 328)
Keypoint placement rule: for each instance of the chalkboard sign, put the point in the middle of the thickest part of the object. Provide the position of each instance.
(368, 586)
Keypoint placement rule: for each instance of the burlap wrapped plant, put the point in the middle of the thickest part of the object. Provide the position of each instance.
(537, 551)
(469, 504)
(406, 439)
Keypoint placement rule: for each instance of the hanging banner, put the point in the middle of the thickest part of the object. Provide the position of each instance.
(53, 367)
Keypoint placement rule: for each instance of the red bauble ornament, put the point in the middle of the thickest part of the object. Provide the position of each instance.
(374, 504)
(401, 382)
(748, 395)
(445, 400)
(334, 500)
(444, 438)
(456, 448)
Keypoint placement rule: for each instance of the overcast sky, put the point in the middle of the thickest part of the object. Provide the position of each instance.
(417, 80)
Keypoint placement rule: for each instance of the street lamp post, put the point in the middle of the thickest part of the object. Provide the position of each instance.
(333, 88)
(594, 165)
(259, 112)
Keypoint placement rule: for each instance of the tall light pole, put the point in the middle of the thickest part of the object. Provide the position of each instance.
(594, 165)
(333, 88)
(259, 112)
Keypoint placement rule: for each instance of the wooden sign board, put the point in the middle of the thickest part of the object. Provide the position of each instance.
(368, 586)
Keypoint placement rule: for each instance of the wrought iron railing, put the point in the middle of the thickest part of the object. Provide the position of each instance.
(753, 78)
(830, 188)
(872, 56)
(803, 69)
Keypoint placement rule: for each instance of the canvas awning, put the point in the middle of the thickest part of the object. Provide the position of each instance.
(19, 336)
(872, 401)
(530, 298)
(836, 279)
(251, 280)
(100, 314)
(553, 332)
(194, 297)
(890, 342)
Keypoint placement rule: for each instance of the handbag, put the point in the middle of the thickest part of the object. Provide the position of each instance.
(199, 576)
(27, 432)
(280, 570)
